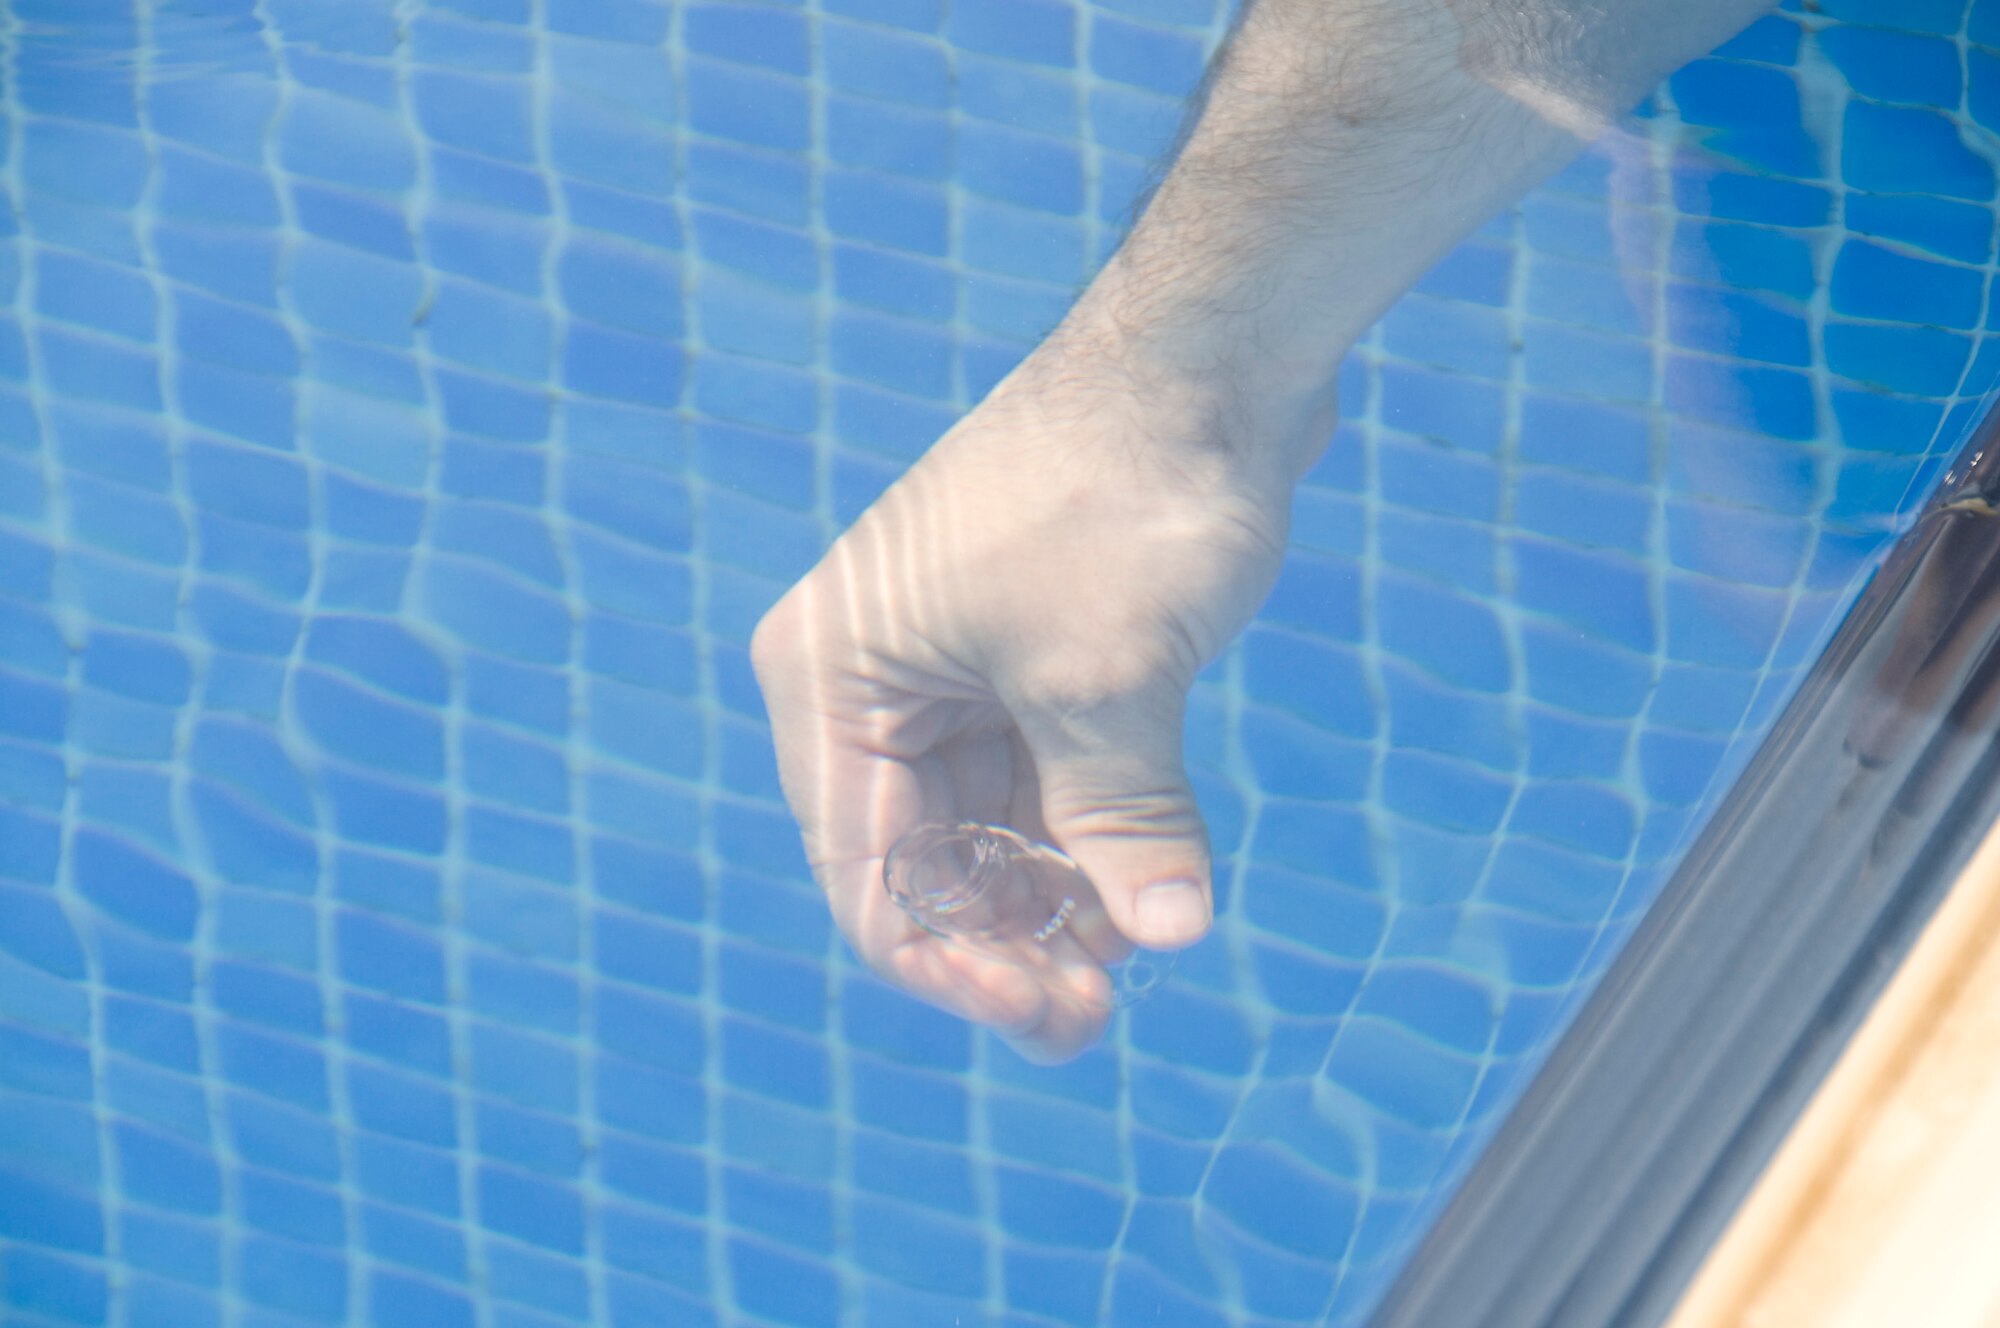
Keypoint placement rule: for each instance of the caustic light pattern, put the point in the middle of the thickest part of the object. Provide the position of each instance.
(406, 410)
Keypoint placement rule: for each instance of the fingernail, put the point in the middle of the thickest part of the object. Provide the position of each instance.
(1172, 912)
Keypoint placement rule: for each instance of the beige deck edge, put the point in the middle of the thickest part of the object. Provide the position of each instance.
(1882, 1207)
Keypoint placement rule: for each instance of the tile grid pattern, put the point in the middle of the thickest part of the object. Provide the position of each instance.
(323, 1080)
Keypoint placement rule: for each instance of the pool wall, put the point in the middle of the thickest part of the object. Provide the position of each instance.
(406, 411)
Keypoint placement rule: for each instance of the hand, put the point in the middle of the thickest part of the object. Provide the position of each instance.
(1009, 635)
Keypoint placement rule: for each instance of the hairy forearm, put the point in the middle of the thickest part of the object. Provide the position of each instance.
(1343, 146)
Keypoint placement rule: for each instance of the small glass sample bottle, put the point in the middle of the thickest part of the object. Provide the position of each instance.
(1007, 897)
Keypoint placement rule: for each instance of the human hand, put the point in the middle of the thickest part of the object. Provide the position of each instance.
(1009, 635)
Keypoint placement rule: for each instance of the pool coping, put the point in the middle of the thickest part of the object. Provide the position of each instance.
(1661, 1104)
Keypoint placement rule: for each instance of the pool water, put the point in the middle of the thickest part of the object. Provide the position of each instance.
(407, 410)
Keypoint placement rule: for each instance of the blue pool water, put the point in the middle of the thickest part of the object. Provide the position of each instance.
(406, 411)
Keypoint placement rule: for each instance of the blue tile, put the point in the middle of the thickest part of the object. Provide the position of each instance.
(766, 184)
(82, 163)
(777, 1138)
(1894, 66)
(411, 1176)
(484, 247)
(1897, 150)
(1451, 408)
(887, 137)
(1455, 637)
(385, 956)
(1156, 59)
(797, 1215)
(1870, 281)
(783, 1287)
(468, 179)
(1015, 94)
(188, 1251)
(292, 1278)
(56, 1216)
(1772, 39)
(1710, 622)
(489, 116)
(1589, 296)
(922, 1251)
(134, 887)
(110, 298)
(1769, 200)
(440, 39)
(1938, 16)
(396, 1033)
(763, 110)
(1030, 170)
(648, 954)
(1475, 272)
(771, 38)
(1677, 767)
(887, 211)
(33, 1281)
(875, 63)
(405, 1107)
(395, 1301)
(909, 1103)
(777, 1065)
(1736, 544)
(1754, 108)
(263, 995)
(744, 317)
(519, 914)
(387, 884)
(1954, 230)
(1296, 760)
(1923, 361)
(1586, 436)
(1318, 594)
(660, 1177)
(1584, 511)
(548, 1145)
(917, 15)
(889, 425)
(1695, 697)
(891, 353)
(1444, 792)
(590, 140)
(493, 612)
(1139, 1293)
(554, 1283)
(1737, 323)
(1604, 595)
(1450, 333)
(772, 466)
(635, 21)
(1587, 363)
(1578, 675)
(658, 1031)
(664, 1107)
(1772, 401)
(624, 368)
(91, 370)
(342, 142)
(1049, 1209)
(1035, 31)
(281, 1207)
(283, 1068)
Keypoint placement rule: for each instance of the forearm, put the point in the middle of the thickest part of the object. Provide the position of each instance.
(1344, 146)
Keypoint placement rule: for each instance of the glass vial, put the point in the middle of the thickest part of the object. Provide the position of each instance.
(997, 892)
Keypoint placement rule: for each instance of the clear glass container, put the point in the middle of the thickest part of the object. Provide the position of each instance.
(1009, 898)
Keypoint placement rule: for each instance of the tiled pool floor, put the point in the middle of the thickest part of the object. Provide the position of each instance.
(406, 410)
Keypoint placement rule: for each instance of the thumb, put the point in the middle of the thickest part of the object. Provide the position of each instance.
(1115, 798)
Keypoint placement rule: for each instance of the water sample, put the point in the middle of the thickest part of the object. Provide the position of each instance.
(996, 892)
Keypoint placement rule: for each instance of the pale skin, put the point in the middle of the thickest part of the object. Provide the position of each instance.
(1010, 633)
